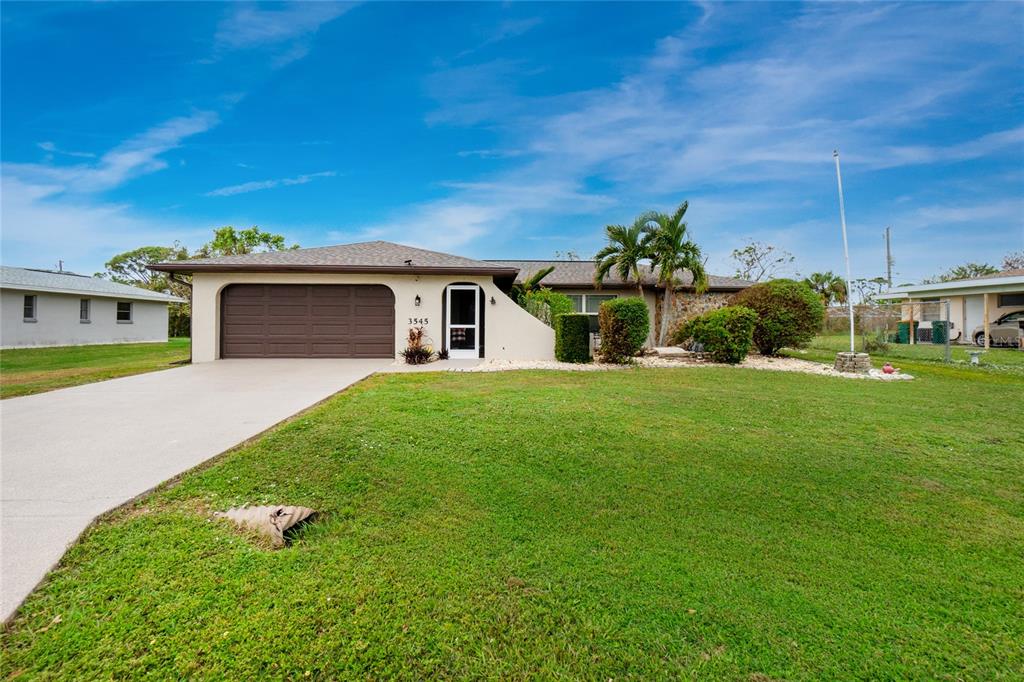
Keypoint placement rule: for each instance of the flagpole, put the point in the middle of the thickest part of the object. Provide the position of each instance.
(846, 248)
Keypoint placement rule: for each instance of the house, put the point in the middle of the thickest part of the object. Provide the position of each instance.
(356, 301)
(361, 300)
(981, 309)
(575, 278)
(50, 308)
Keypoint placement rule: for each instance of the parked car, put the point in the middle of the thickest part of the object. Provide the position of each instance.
(1003, 332)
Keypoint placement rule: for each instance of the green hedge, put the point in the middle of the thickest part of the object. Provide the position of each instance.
(572, 337)
(624, 324)
(789, 314)
(726, 334)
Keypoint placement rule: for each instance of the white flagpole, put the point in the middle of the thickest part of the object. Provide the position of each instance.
(846, 249)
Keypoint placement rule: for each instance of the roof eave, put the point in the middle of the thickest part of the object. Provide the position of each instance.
(354, 269)
(87, 293)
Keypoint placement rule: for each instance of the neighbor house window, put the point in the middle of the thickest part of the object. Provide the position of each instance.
(594, 301)
(930, 310)
(29, 312)
(83, 310)
(1008, 300)
(124, 312)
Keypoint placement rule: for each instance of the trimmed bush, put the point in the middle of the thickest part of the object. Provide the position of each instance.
(572, 337)
(546, 305)
(726, 334)
(789, 314)
(624, 324)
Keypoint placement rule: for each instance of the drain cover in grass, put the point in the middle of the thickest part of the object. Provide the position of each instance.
(271, 521)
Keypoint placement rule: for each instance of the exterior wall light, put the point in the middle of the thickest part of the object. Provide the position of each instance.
(493, 301)
(417, 300)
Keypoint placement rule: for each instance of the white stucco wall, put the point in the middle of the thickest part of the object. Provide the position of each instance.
(510, 333)
(57, 321)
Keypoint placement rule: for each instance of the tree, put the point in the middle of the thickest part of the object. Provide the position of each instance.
(789, 314)
(829, 286)
(132, 267)
(227, 241)
(757, 261)
(567, 255)
(530, 284)
(1013, 260)
(869, 289)
(965, 271)
(672, 251)
(627, 247)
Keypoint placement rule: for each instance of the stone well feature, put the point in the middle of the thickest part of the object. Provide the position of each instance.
(853, 363)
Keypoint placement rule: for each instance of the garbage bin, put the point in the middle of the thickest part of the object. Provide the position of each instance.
(904, 331)
(940, 331)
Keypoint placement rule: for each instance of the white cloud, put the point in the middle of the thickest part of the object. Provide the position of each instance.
(53, 211)
(759, 122)
(136, 156)
(249, 25)
(258, 185)
(53, 149)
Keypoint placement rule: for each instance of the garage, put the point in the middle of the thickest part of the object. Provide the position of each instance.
(307, 321)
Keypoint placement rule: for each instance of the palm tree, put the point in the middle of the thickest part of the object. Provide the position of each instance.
(627, 247)
(828, 285)
(530, 284)
(672, 251)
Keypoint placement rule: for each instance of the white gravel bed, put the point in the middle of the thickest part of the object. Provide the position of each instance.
(752, 362)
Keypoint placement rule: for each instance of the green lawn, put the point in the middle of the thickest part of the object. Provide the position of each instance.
(24, 371)
(711, 523)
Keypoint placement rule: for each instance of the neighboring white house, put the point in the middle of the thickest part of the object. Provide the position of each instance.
(47, 308)
(982, 309)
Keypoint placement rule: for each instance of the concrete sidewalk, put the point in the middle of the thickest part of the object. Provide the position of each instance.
(69, 455)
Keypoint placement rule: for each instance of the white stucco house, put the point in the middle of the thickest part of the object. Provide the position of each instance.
(360, 301)
(983, 310)
(48, 308)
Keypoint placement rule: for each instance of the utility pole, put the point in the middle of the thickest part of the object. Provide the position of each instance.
(846, 249)
(888, 255)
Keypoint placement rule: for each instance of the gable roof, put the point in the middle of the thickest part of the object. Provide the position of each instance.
(28, 279)
(580, 274)
(376, 256)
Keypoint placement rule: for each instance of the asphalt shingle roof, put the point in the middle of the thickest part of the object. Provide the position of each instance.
(580, 273)
(368, 256)
(27, 279)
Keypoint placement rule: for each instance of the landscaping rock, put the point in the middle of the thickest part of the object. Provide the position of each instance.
(271, 521)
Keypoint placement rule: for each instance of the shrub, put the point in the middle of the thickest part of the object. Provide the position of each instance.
(416, 352)
(546, 305)
(789, 314)
(726, 334)
(624, 324)
(572, 337)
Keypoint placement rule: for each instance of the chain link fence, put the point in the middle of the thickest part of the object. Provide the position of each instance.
(930, 331)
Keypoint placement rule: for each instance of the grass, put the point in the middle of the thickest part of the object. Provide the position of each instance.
(711, 523)
(24, 371)
(999, 359)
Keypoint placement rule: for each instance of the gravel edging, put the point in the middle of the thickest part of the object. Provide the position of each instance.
(780, 364)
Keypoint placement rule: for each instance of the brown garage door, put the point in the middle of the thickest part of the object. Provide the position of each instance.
(307, 321)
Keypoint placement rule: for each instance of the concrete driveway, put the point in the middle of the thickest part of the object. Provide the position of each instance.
(69, 455)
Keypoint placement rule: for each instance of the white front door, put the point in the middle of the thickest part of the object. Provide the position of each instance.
(463, 321)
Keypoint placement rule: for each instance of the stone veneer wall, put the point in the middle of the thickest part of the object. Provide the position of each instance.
(687, 304)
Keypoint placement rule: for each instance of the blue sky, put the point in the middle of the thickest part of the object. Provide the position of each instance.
(514, 130)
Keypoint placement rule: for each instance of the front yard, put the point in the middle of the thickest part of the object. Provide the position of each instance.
(24, 371)
(711, 522)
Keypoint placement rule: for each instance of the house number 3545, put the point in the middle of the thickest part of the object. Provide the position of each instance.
(419, 320)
